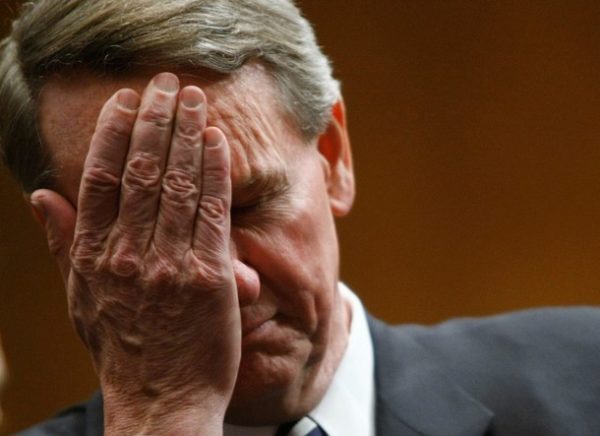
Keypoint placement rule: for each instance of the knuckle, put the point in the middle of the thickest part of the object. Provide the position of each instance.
(216, 171)
(162, 274)
(115, 129)
(99, 179)
(157, 115)
(213, 208)
(142, 172)
(125, 265)
(82, 255)
(179, 185)
(189, 131)
(211, 277)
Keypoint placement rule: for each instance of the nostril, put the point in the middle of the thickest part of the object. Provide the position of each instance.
(248, 283)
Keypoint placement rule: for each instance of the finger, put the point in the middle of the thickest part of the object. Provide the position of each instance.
(59, 217)
(145, 163)
(103, 167)
(180, 186)
(212, 227)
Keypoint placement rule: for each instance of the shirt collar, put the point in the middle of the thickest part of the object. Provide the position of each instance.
(348, 406)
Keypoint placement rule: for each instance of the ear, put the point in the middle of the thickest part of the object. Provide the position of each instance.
(334, 147)
(37, 213)
(57, 217)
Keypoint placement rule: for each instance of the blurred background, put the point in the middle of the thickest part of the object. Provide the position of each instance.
(475, 127)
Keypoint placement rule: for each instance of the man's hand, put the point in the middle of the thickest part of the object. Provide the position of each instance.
(150, 282)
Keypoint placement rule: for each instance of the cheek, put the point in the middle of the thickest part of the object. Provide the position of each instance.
(297, 261)
(70, 176)
(306, 241)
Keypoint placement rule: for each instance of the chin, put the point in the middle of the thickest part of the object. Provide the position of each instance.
(270, 390)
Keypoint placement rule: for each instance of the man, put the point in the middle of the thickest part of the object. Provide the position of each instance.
(186, 159)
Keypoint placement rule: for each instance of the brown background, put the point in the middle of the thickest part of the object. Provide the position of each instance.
(476, 135)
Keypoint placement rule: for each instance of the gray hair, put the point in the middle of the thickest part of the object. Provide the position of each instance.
(120, 36)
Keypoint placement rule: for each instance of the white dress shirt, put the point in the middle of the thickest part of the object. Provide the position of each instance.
(348, 407)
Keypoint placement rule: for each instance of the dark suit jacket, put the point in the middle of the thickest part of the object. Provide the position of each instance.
(528, 373)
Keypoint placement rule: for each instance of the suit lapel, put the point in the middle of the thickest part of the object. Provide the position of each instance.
(414, 397)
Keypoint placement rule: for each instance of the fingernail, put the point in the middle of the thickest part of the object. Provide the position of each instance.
(191, 97)
(167, 82)
(128, 99)
(212, 138)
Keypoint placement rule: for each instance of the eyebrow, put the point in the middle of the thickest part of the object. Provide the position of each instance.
(261, 186)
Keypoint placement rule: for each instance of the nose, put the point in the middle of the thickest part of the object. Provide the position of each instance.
(247, 281)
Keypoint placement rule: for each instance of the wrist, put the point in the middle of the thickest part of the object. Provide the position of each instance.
(161, 415)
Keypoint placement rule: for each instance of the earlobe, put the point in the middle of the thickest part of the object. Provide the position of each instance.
(334, 147)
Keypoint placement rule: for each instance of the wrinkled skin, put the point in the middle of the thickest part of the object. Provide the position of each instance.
(201, 259)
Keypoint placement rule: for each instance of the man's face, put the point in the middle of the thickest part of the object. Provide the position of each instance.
(283, 240)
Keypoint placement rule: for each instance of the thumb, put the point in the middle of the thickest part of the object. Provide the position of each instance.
(58, 217)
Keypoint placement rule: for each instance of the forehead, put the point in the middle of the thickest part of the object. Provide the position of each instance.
(246, 106)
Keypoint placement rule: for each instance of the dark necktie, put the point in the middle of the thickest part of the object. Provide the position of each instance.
(304, 427)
